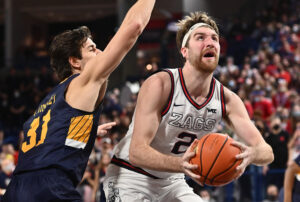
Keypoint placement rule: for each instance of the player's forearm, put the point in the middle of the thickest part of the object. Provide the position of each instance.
(132, 26)
(288, 185)
(140, 13)
(263, 154)
(147, 157)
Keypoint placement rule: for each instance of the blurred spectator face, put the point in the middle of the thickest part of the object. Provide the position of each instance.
(258, 95)
(7, 164)
(276, 59)
(125, 120)
(285, 114)
(106, 143)
(275, 125)
(296, 112)
(204, 194)
(272, 193)
(105, 159)
(8, 149)
(282, 85)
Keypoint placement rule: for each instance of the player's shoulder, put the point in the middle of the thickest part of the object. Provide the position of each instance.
(230, 96)
(161, 79)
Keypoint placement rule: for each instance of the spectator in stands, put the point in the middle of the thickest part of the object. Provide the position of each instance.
(278, 139)
(7, 167)
(272, 194)
(206, 195)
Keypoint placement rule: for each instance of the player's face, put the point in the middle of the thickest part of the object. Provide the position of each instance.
(203, 49)
(88, 51)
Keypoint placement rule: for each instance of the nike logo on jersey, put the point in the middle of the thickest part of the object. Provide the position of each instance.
(214, 111)
(177, 105)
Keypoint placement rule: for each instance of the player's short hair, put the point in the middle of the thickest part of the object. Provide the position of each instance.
(65, 45)
(188, 21)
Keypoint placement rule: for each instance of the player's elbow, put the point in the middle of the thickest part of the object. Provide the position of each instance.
(135, 28)
(270, 158)
(133, 155)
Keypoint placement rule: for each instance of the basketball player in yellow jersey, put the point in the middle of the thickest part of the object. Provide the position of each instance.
(174, 108)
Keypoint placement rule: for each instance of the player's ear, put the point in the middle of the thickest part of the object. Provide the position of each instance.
(75, 63)
(184, 51)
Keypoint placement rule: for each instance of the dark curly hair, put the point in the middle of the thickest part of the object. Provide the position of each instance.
(65, 45)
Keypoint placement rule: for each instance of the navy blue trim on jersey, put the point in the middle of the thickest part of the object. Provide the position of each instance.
(167, 107)
(223, 105)
(124, 164)
(190, 99)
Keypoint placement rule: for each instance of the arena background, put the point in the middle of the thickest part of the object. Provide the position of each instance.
(260, 59)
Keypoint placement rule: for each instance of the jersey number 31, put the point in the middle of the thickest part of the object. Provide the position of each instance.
(33, 135)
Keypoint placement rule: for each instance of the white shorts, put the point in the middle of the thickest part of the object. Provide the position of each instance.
(138, 188)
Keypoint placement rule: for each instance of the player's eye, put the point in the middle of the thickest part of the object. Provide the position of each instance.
(215, 38)
(200, 37)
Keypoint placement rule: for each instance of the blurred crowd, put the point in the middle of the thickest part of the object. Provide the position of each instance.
(260, 62)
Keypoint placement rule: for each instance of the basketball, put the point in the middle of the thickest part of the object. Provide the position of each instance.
(215, 157)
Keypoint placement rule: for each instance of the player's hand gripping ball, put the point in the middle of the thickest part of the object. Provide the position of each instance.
(215, 157)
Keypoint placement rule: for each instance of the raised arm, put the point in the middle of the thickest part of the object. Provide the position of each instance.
(256, 150)
(96, 70)
(132, 26)
(152, 98)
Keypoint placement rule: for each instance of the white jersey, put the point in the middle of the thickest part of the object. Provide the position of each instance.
(183, 120)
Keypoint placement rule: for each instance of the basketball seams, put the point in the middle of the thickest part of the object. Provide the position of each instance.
(210, 151)
(220, 150)
(213, 179)
(202, 145)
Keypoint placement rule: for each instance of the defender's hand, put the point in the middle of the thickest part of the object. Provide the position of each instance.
(102, 129)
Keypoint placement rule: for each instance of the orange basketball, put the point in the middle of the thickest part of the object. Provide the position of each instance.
(215, 157)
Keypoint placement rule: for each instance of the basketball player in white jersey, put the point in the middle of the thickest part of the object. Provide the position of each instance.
(176, 107)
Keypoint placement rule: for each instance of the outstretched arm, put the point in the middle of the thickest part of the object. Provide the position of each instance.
(152, 98)
(256, 150)
(96, 71)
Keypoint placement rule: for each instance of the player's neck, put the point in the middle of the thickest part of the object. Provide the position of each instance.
(197, 82)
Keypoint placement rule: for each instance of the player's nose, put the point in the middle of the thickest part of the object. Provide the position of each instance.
(210, 43)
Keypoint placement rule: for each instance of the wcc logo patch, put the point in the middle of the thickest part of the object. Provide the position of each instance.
(214, 111)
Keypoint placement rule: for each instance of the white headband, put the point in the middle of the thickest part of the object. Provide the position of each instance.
(195, 26)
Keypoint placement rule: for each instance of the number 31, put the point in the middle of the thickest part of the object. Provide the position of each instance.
(32, 132)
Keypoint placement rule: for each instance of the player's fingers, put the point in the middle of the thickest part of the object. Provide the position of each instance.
(239, 144)
(193, 146)
(101, 132)
(189, 166)
(188, 156)
(193, 175)
(241, 155)
(107, 125)
(241, 166)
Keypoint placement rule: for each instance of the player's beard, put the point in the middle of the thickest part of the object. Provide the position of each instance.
(207, 66)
